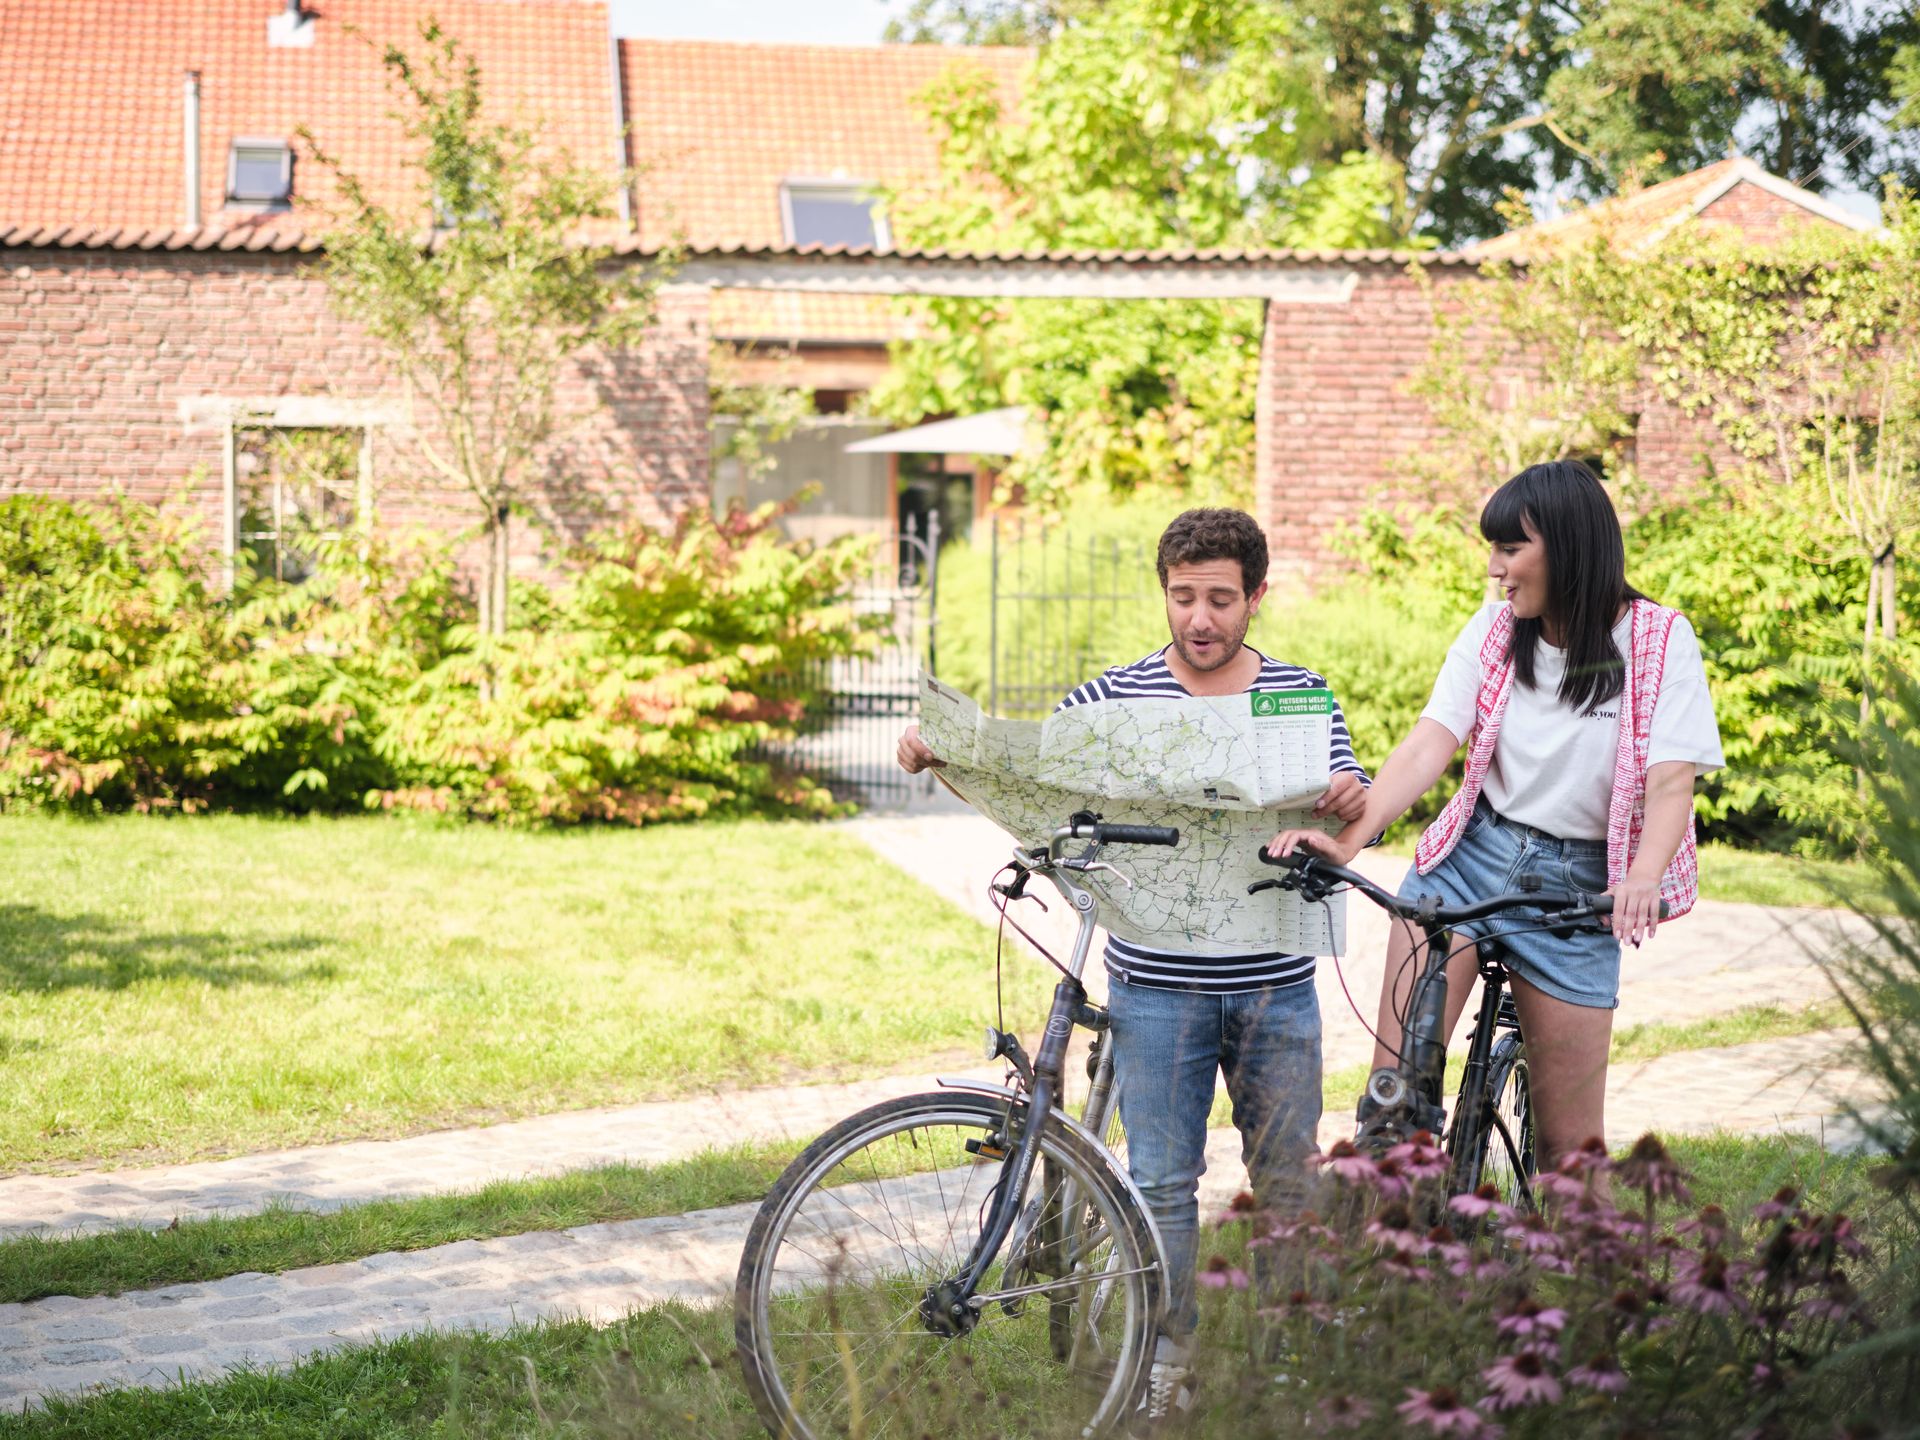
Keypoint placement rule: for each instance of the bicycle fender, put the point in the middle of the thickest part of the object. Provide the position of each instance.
(1001, 1092)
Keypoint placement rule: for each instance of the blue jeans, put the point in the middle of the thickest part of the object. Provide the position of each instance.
(1167, 1047)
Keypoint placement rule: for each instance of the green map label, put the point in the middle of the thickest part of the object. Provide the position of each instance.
(1292, 702)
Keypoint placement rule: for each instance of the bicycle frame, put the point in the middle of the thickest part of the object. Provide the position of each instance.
(1043, 1079)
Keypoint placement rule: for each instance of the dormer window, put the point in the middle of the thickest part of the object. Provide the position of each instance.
(832, 212)
(260, 174)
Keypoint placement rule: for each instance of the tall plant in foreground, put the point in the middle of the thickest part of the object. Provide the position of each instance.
(483, 294)
(1618, 1311)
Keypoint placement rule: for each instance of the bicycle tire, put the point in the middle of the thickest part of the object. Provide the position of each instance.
(1064, 1222)
(828, 1323)
(1503, 1150)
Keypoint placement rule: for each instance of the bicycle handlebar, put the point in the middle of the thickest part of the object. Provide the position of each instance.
(1104, 834)
(1315, 877)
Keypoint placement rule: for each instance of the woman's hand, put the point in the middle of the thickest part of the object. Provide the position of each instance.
(1331, 847)
(1636, 910)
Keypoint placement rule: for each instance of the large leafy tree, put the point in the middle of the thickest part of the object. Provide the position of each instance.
(1146, 123)
(1459, 103)
(482, 293)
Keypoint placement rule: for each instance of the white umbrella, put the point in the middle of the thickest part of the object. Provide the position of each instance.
(992, 432)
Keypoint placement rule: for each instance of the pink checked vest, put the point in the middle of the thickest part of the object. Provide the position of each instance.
(1640, 691)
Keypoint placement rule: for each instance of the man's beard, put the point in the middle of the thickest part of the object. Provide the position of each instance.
(1228, 647)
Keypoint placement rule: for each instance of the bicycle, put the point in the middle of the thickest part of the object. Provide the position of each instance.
(1495, 1096)
(906, 1261)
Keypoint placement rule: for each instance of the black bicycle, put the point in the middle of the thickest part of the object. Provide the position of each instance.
(1495, 1098)
(973, 1261)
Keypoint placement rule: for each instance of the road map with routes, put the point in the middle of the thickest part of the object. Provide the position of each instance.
(1228, 770)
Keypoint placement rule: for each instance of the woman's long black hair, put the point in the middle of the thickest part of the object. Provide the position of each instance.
(1564, 503)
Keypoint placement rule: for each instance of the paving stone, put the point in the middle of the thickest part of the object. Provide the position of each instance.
(325, 1277)
(242, 1308)
(80, 1354)
(155, 1299)
(90, 1328)
(171, 1343)
(12, 1337)
(242, 1332)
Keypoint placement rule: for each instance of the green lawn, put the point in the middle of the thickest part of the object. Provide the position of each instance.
(173, 989)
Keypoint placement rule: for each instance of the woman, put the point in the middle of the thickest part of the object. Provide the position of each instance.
(1585, 711)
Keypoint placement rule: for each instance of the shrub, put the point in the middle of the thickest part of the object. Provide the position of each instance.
(640, 691)
(646, 691)
(133, 683)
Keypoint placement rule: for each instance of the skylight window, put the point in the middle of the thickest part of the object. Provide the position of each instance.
(832, 212)
(260, 174)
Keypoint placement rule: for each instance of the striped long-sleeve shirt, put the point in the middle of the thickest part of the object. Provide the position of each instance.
(1150, 678)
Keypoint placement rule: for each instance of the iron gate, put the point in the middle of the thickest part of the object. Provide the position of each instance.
(1065, 607)
(865, 701)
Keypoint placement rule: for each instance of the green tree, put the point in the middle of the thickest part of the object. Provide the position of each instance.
(483, 293)
(1146, 123)
(974, 22)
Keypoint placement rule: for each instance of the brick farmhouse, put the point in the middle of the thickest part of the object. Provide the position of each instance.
(160, 224)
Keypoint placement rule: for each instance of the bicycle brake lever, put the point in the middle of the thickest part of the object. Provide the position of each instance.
(1087, 867)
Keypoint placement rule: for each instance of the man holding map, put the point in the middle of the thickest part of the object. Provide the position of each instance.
(1200, 980)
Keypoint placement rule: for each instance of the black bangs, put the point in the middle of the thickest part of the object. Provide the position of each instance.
(1502, 519)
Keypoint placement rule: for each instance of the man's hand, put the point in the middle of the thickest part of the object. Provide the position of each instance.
(1345, 800)
(913, 754)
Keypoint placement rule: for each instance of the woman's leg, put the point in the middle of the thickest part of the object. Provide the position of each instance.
(1567, 1062)
(1406, 958)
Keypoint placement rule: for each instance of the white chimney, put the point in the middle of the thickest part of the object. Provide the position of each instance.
(290, 27)
(191, 141)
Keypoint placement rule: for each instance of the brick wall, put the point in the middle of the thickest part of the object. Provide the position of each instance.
(1336, 424)
(99, 347)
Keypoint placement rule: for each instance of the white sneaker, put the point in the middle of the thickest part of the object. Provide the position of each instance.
(1168, 1398)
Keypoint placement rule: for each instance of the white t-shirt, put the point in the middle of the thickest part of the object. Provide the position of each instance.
(1552, 768)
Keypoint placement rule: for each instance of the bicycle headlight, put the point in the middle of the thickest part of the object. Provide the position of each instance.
(994, 1041)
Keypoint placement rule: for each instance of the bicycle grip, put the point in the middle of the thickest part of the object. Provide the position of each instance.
(1603, 905)
(1104, 834)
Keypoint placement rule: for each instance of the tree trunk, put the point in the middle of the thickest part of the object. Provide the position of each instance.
(1889, 596)
(499, 578)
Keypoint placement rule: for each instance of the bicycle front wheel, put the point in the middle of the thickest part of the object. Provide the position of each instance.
(842, 1324)
(1504, 1154)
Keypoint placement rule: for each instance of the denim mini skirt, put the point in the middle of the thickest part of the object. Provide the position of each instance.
(1491, 856)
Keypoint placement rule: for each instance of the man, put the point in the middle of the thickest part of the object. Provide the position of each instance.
(1179, 1019)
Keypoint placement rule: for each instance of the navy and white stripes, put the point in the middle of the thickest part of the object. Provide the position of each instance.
(1150, 678)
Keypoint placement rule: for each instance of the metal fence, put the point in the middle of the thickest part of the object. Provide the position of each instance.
(1064, 609)
(862, 703)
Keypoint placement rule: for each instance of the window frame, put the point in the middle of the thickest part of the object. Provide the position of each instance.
(834, 187)
(282, 201)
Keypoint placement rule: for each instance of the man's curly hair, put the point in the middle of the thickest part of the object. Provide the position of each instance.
(1215, 533)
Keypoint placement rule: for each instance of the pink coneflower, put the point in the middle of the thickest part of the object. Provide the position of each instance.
(1481, 1203)
(1831, 1233)
(1712, 1225)
(1418, 1159)
(1782, 1204)
(1534, 1236)
(1220, 1273)
(1590, 1159)
(1242, 1207)
(1560, 1188)
(1347, 1163)
(1301, 1303)
(1306, 1227)
(1520, 1379)
(1530, 1318)
(1343, 1412)
(1442, 1411)
(1602, 1372)
(1707, 1286)
(1483, 1267)
(1391, 1179)
(1648, 1167)
(1393, 1228)
(1404, 1264)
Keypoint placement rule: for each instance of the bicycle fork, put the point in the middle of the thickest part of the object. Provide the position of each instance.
(949, 1307)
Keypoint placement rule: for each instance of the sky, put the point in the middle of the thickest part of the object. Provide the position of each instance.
(820, 22)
